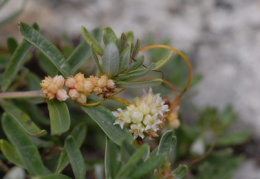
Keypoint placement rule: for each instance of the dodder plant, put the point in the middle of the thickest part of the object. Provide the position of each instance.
(119, 67)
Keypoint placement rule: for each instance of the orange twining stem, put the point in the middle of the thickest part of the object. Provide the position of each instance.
(186, 60)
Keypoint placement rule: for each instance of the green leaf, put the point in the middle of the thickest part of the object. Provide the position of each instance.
(110, 60)
(166, 143)
(135, 158)
(161, 62)
(16, 62)
(10, 153)
(76, 158)
(80, 55)
(109, 35)
(96, 59)
(52, 176)
(139, 84)
(82, 52)
(129, 37)
(136, 73)
(46, 65)
(46, 47)
(123, 43)
(146, 167)
(13, 15)
(12, 44)
(25, 148)
(105, 119)
(59, 117)
(33, 82)
(112, 158)
(22, 119)
(127, 150)
(137, 64)
(4, 60)
(124, 59)
(136, 49)
(91, 41)
(180, 172)
(234, 139)
(79, 134)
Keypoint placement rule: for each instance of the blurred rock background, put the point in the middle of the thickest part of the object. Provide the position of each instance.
(221, 38)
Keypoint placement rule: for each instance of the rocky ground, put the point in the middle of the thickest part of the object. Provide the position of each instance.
(222, 38)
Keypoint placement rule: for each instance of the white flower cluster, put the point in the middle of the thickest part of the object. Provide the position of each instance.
(144, 116)
(79, 87)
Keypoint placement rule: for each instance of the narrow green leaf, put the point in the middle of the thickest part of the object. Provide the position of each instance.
(12, 44)
(46, 47)
(136, 49)
(22, 119)
(105, 119)
(13, 15)
(137, 64)
(129, 37)
(79, 134)
(25, 148)
(124, 59)
(110, 60)
(166, 143)
(3, 62)
(233, 139)
(127, 150)
(97, 34)
(123, 43)
(161, 62)
(91, 41)
(80, 55)
(135, 158)
(180, 172)
(16, 62)
(76, 158)
(82, 52)
(10, 153)
(112, 158)
(95, 59)
(147, 166)
(46, 65)
(59, 117)
(33, 82)
(52, 176)
(136, 73)
(109, 35)
(139, 84)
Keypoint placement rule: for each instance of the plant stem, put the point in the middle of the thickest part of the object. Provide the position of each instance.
(22, 94)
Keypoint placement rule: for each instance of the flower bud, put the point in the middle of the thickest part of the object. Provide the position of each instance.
(79, 77)
(110, 84)
(82, 98)
(74, 94)
(58, 81)
(88, 86)
(61, 95)
(70, 82)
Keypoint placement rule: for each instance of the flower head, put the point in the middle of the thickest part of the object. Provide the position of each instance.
(53, 87)
(145, 115)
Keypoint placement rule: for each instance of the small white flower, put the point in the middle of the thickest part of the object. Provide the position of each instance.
(144, 115)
